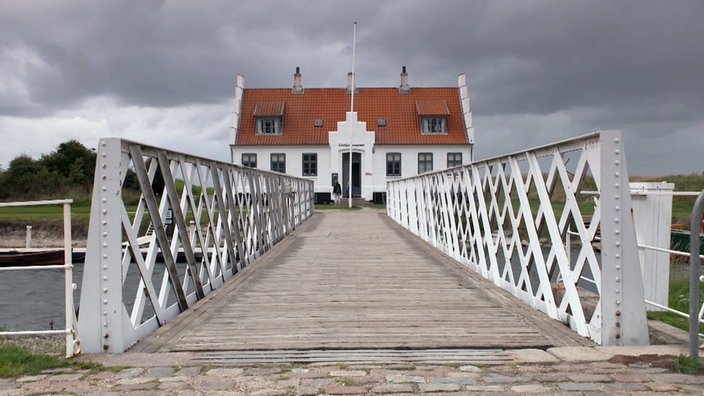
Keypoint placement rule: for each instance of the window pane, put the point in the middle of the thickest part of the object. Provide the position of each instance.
(454, 159)
(433, 125)
(393, 164)
(249, 160)
(310, 164)
(425, 162)
(278, 163)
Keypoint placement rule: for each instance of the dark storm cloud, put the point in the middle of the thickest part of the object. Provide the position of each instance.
(536, 65)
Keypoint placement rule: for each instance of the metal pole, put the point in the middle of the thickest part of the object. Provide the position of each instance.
(349, 175)
(68, 281)
(694, 262)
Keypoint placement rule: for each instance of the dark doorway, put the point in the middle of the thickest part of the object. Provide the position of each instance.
(356, 174)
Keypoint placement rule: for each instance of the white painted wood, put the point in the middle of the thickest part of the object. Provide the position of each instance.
(652, 216)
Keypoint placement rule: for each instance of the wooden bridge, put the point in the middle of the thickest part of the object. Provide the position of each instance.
(495, 254)
(355, 280)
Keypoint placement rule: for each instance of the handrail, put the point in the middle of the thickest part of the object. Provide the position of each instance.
(71, 323)
(694, 248)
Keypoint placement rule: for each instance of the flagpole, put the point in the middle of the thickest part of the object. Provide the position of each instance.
(349, 178)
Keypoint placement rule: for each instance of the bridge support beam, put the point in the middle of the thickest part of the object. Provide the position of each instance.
(623, 316)
(101, 309)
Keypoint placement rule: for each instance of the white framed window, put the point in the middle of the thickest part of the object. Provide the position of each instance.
(249, 160)
(425, 162)
(454, 159)
(433, 124)
(268, 126)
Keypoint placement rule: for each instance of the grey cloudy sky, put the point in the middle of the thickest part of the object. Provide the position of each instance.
(162, 72)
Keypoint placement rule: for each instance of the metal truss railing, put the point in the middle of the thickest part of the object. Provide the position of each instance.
(192, 224)
(523, 222)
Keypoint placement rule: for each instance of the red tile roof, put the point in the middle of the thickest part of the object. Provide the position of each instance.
(401, 112)
(432, 107)
(264, 109)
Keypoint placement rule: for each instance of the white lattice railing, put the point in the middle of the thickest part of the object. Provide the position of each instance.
(146, 262)
(523, 222)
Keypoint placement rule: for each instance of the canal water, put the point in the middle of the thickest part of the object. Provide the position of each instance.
(34, 300)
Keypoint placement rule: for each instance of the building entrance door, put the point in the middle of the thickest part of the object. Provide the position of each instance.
(356, 174)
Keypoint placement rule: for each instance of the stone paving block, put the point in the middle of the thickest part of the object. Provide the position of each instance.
(225, 372)
(625, 387)
(530, 388)
(439, 387)
(306, 390)
(31, 378)
(347, 373)
(673, 378)
(134, 380)
(658, 387)
(103, 375)
(64, 377)
(129, 373)
(577, 386)
(462, 374)
(190, 371)
(485, 388)
(401, 379)
(500, 378)
(454, 380)
(299, 370)
(385, 389)
(173, 385)
(578, 354)
(158, 372)
(137, 387)
(630, 378)
(291, 382)
(583, 377)
(269, 392)
(533, 356)
(345, 390)
(470, 368)
(209, 383)
(262, 371)
(175, 378)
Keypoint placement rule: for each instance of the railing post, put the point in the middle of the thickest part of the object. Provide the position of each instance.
(101, 307)
(623, 315)
(28, 240)
(694, 262)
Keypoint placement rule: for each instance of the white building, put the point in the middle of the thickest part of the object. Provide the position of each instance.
(393, 133)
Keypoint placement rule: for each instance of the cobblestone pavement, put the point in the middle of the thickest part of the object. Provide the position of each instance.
(563, 373)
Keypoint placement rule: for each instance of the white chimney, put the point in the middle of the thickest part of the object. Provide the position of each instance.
(297, 87)
(349, 83)
(404, 87)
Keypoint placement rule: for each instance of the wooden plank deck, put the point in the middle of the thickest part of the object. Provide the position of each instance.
(355, 280)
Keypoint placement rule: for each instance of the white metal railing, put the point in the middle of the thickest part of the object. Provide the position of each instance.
(70, 332)
(652, 214)
(507, 218)
(209, 221)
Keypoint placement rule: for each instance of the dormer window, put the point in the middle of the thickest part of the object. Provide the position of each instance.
(433, 124)
(269, 117)
(268, 126)
(433, 116)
